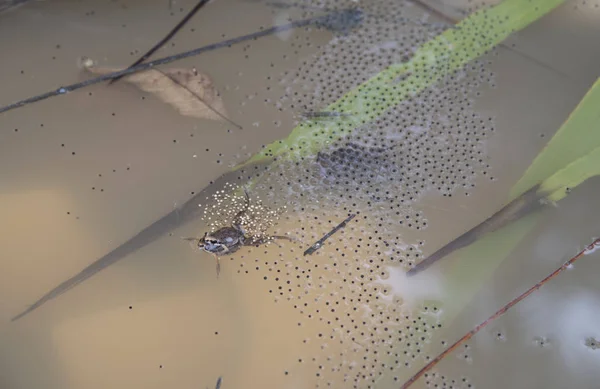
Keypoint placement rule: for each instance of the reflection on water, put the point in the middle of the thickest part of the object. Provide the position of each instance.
(84, 172)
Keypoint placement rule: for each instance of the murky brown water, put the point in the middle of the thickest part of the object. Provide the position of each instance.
(82, 173)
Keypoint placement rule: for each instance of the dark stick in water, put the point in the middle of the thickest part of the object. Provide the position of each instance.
(526, 203)
(164, 40)
(320, 242)
(330, 21)
(168, 223)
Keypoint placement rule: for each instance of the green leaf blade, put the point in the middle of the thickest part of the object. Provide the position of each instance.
(433, 61)
(579, 135)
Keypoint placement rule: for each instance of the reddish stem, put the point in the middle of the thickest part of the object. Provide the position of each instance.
(500, 312)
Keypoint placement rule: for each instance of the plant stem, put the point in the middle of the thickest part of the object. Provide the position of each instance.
(588, 250)
(528, 202)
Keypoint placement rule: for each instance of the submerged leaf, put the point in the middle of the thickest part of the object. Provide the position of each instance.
(577, 136)
(467, 277)
(559, 168)
(557, 186)
(430, 63)
(190, 92)
(523, 205)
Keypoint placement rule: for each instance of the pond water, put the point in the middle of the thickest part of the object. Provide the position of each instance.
(83, 172)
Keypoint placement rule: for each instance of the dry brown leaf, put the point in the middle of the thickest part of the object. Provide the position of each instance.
(190, 92)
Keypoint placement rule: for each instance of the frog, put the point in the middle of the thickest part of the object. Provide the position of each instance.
(229, 239)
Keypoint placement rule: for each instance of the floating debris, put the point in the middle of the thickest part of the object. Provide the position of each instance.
(320, 242)
(330, 21)
(592, 343)
(317, 115)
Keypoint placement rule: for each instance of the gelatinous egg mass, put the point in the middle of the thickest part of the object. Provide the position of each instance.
(379, 165)
(313, 111)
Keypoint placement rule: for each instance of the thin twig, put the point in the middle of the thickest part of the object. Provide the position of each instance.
(186, 54)
(320, 242)
(168, 37)
(593, 246)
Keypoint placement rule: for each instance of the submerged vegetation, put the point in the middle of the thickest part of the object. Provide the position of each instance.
(352, 155)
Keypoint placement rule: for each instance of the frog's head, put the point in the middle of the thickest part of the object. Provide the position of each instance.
(210, 244)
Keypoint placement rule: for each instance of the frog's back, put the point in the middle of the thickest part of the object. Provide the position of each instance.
(227, 234)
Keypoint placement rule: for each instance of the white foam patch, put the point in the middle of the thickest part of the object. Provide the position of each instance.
(386, 45)
(567, 320)
(417, 129)
(413, 290)
(592, 247)
(283, 18)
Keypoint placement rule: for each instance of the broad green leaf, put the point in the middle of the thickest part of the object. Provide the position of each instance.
(560, 184)
(582, 124)
(432, 61)
(579, 135)
(448, 52)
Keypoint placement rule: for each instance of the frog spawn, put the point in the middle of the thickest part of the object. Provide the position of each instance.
(436, 380)
(379, 166)
(227, 208)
